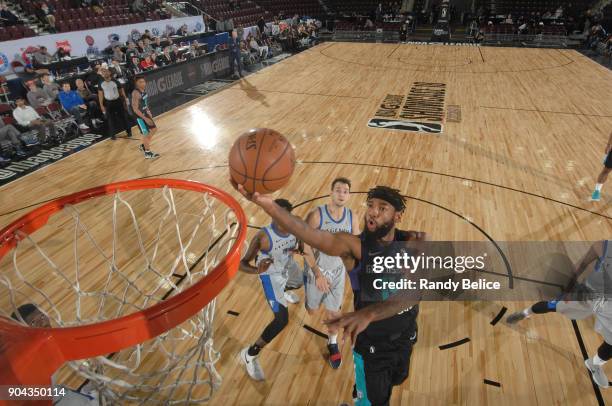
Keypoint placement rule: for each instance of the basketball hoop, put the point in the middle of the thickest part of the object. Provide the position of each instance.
(130, 299)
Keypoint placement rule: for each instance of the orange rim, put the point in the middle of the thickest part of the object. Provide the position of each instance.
(29, 356)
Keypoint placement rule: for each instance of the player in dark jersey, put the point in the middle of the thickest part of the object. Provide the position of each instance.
(144, 118)
(381, 331)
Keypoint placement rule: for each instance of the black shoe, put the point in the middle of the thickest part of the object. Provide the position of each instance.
(151, 155)
(20, 153)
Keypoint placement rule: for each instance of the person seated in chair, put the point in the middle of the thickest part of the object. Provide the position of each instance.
(52, 89)
(91, 100)
(28, 118)
(74, 104)
(9, 133)
(8, 18)
(37, 97)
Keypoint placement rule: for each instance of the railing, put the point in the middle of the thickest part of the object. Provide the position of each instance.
(366, 36)
(190, 9)
(537, 40)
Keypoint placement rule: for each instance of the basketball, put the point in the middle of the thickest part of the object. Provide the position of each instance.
(262, 160)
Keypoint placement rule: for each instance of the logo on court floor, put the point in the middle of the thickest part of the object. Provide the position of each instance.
(405, 125)
(421, 110)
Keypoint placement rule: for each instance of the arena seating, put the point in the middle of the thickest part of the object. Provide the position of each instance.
(15, 32)
(115, 12)
(246, 15)
(288, 8)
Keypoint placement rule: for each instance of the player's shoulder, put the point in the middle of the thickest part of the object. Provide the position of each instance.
(410, 235)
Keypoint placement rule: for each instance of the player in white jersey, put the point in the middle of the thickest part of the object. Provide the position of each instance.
(595, 300)
(324, 276)
(274, 249)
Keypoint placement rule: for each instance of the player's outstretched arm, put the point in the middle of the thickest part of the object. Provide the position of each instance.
(257, 243)
(339, 244)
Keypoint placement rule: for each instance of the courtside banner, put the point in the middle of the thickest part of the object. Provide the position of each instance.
(164, 82)
(478, 270)
(46, 156)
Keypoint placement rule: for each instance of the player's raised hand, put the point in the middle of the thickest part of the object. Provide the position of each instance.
(351, 323)
(257, 198)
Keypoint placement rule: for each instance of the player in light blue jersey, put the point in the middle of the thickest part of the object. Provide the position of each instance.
(324, 275)
(274, 249)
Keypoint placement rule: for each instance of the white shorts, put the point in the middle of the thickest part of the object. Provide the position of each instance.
(332, 300)
(600, 308)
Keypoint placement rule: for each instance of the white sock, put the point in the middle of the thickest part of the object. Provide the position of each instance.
(527, 312)
(333, 339)
(598, 361)
(598, 186)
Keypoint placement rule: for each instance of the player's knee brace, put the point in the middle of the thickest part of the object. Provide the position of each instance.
(605, 351)
(281, 318)
(544, 307)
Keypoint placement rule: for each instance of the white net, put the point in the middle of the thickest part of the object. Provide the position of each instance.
(112, 256)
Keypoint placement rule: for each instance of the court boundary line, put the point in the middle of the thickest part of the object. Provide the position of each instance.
(357, 164)
(429, 67)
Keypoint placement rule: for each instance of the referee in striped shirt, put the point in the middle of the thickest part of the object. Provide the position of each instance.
(113, 105)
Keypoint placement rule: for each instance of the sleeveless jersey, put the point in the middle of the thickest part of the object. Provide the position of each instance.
(364, 293)
(600, 280)
(331, 266)
(143, 104)
(281, 247)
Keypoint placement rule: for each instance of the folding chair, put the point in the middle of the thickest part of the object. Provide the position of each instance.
(64, 122)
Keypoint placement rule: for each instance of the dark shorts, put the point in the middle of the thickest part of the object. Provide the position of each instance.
(608, 161)
(379, 366)
(144, 127)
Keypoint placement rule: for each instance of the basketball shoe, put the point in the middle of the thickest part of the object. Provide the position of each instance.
(252, 365)
(597, 372)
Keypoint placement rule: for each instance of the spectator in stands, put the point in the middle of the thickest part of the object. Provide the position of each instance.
(157, 45)
(62, 53)
(256, 48)
(147, 64)
(116, 70)
(113, 103)
(118, 54)
(166, 58)
(235, 53)
(52, 89)
(74, 104)
(261, 24)
(134, 65)
(138, 7)
(91, 100)
(140, 48)
(596, 34)
(183, 31)
(146, 35)
(28, 118)
(8, 18)
(45, 13)
(11, 134)
(97, 6)
(147, 45)
(42, 56)
(37, 97)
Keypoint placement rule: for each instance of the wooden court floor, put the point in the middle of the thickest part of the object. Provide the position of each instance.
(516, 161)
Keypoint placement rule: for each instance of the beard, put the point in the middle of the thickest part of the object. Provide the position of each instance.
(379, 232)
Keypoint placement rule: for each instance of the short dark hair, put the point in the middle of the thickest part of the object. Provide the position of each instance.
(341, 179)
(284, 203)
(25, 311)
(389, 195)
(137, 78)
